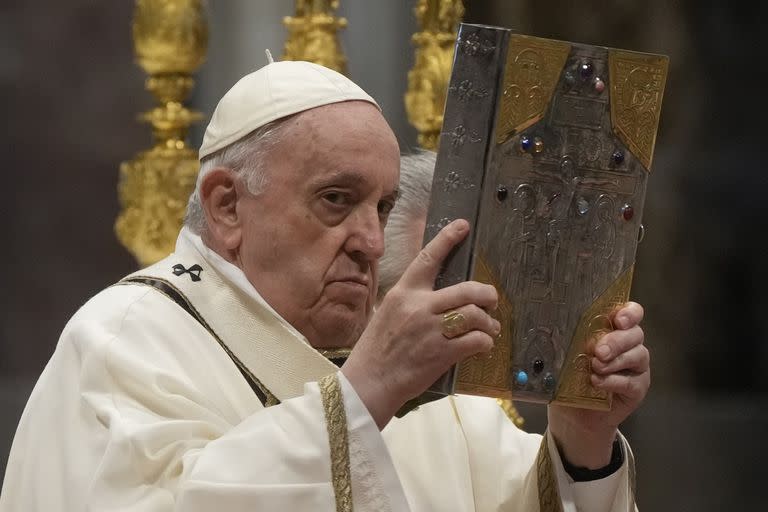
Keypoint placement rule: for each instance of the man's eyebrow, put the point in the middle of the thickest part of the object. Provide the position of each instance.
(347, 178)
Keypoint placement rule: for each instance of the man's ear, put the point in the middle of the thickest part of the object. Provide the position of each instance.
(219, 196)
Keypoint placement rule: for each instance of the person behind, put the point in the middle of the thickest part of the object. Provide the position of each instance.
(198, 383)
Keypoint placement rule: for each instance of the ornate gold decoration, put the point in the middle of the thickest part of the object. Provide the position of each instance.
(313, 34)
(170, 39)
(575, 384)
(509, 409)
(428, 80)
(336, 424)
(549, 495)
(488, 374)
(637, 87)
(334, 353)
(530, 77)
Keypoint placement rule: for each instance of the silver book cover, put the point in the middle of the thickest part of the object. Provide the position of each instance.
(546, 150)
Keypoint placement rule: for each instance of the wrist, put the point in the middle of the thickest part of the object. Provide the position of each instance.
(585, 447)
(582, 474)
(372, 393)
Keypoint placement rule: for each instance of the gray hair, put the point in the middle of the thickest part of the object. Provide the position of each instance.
(416, 172)
(244, 156)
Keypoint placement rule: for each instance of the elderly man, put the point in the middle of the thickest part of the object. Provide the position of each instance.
(199, 383)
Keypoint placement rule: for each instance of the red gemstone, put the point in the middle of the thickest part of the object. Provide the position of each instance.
(628, 212)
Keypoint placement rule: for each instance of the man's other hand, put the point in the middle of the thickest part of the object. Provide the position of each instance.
(620, 365)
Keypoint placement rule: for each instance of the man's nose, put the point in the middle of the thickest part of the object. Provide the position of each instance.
(367, 235)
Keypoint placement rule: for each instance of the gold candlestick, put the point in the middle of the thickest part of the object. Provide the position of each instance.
(170, 39)
(428, 79)
(313, 34)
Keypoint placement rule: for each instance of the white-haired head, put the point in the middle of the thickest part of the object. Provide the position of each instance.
(246, 157)
(247, 120)
(405, 228)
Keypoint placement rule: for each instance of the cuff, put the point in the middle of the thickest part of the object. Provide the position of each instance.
(582, 474)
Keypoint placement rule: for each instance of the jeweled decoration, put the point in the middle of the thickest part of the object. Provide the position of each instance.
(627, 212)
(586, 69)
(525, 143)
(582, 206)
(501, 193)
(538, 145)
(521, 378)
(599, 85)
(617, 157)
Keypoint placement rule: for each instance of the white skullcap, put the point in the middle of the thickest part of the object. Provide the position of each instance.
(277, 90)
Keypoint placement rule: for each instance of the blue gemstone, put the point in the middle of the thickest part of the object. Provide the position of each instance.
(586, 69)
(618, 157)
(525, 143)
(549, 382)
(521, 378)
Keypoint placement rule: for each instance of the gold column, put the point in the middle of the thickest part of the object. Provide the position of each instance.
(170, 39)
(428, 79)
(313, 34)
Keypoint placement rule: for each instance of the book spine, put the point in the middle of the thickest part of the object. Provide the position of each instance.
(466, 136)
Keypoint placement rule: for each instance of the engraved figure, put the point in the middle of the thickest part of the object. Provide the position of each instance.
(518, 231)
(641, 101)
(525, 95)
(603, 230)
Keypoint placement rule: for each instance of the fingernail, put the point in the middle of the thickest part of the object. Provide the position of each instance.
(622, 321)
(461, 226)
(603, 351)
(496, 327)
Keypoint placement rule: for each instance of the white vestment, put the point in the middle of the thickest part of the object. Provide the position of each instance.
(142, 408)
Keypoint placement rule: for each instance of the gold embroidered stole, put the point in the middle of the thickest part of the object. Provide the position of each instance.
(272, 357)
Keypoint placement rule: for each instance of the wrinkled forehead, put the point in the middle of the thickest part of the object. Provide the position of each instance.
(348, 136)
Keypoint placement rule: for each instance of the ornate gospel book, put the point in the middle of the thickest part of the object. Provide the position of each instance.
(546, 149)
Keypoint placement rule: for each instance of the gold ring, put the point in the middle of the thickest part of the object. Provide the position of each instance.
(454, 324)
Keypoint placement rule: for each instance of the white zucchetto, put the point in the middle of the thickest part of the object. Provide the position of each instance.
(276, 90)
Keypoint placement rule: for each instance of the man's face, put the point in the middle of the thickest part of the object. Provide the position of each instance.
(311, 240)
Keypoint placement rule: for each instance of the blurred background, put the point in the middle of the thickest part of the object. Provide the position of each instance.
(71, 92)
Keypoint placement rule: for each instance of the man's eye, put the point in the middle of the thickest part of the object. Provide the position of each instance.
(385, 207)
(336, 198)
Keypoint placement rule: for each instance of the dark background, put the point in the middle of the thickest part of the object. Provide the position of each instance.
(70, 94)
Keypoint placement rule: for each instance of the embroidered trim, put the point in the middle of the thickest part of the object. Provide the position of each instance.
(336, 423)
(549, 496)
(631, 475)
(171, 292)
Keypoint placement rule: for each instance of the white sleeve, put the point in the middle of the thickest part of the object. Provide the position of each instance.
(171, 436)
(610, 494)
(278, 458)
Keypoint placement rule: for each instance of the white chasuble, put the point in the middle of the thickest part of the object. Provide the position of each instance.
(154, 400)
